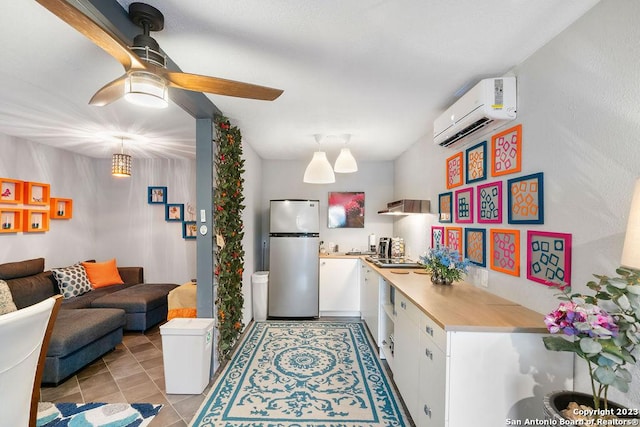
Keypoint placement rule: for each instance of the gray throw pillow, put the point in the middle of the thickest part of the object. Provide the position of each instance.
(72, 281)
(6, 300)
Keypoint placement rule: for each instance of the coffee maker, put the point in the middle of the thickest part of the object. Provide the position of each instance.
(384, 247)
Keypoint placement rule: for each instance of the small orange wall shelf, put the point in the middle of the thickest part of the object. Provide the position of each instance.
(11, 190)
(10, 220)
(35, 221)
(36, 193)
(61, 208)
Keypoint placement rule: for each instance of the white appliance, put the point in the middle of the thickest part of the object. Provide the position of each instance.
(294, 238)
(485, 107)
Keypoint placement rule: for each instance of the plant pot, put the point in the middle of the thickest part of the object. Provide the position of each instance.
(554, 403)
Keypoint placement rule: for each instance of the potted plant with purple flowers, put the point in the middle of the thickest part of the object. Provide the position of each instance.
(603, 329)
(445, 265)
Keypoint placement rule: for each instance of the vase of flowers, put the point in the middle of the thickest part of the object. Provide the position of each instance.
(445, 265)
(603, 329)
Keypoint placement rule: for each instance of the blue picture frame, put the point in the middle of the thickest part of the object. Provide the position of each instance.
(476, 162)
(470, 238)
(174, 212)
(157, 195)
(445, 207)
(526, 199)
(189, 230)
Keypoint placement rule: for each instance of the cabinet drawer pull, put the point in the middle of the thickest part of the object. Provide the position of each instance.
(403, 305)
(427, 410)
(428, 353)
(429, 330)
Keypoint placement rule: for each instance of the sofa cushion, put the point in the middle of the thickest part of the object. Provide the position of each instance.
(14, 270)
(103, 273)
(6, 301)
(75, 329)
(85, 300)
(139, 298)
(30, 290)
(72, 280)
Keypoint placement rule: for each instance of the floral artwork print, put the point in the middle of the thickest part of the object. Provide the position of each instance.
(174, 212)
(455, 173)
(477, 162)
(506, 151)
(505, 251)
(346, 210)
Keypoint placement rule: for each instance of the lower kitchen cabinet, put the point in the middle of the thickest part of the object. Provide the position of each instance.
(339, 287)
(407, 352)
(370, 300)
(432, 368)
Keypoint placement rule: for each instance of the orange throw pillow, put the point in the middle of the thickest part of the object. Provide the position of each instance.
(102, 274)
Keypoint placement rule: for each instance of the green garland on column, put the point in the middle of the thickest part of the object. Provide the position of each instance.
(228, 208)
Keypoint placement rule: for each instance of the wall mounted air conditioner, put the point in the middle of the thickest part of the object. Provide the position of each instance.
(485, 107)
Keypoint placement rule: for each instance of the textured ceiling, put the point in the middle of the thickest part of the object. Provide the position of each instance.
(379, 70)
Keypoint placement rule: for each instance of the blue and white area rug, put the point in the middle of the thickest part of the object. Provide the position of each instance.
(96, 414)
(302, 374)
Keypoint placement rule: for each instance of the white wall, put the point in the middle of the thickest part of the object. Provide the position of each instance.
(283, 180)
(111, 217)
(579, 104)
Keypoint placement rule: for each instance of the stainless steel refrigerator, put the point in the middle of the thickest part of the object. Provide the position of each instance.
(294, 227)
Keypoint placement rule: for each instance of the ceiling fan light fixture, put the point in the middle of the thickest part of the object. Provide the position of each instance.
(146, 89)
(319, 170)
(345, 163)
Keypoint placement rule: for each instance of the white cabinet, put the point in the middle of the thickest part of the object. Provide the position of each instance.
(370, 299)
(339, 287)
(432, 366)
(406, 352)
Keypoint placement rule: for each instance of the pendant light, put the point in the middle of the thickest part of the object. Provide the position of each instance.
(319, 170)
(121, 163)
(345, 163)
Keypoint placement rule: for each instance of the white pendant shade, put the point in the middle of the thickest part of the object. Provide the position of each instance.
(345, 163)
(631, 250)
(319, 170)
(145, 89)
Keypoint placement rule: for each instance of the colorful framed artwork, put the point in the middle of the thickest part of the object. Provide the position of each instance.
(475, 246)
(174, 212)
(445, 207)
(157, 195)
(489, 203)
(526, 199)
(476, 162)
(455, 171)
(453, 238)
(464, 205)
(189, 230)
(505, 251)
(437, 236)
(346, 210)
(506, 151)
(549, 257)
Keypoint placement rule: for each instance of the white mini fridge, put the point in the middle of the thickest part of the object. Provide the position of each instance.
(187, 344)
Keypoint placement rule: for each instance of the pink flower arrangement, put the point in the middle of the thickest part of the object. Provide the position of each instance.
(581, 320)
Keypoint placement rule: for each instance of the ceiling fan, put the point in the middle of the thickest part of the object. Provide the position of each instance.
(146, 77)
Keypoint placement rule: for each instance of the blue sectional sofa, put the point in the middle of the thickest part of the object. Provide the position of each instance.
(91, 324)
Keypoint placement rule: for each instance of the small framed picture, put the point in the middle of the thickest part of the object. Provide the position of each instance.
(476, 157)
(189, 230)
(174, 212)
(505, 251)
(157, 195)
(475, 246)
(490, 203)
(455, 171)
(549, 257)
(526, 199)
(464, 205)
(453, 239)
(445, 207)
(437, 236)
(506, 151)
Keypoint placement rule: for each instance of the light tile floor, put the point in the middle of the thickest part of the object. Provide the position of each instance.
(133, 373)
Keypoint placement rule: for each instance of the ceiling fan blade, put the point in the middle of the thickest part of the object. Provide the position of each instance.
(217, 86)
(94, 32)
(109, 93)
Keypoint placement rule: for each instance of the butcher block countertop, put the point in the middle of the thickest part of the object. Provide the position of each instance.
(461, 306)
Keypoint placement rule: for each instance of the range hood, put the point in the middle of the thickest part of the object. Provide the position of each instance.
(406, 207)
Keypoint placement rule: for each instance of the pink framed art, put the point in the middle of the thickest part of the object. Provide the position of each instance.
(489, 203)
(437, 236)
(464, 205)
(549, 257)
